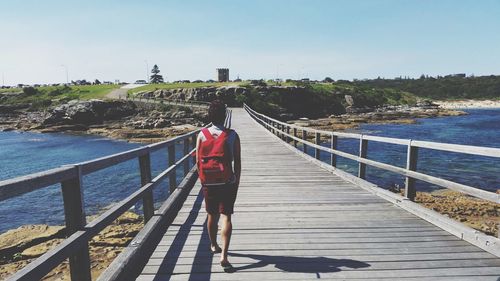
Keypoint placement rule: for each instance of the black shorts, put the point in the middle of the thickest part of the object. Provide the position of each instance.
(220, 199)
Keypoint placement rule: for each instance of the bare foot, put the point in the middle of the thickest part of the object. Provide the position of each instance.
(215, 249)
(226, 266)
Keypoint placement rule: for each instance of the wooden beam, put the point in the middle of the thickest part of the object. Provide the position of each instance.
(304, 138)
(363, 149)
(186, 152)
(171, 161)
(411, 164)
(333, 146)
(295, 135)
(79, 260)
(147, 200)
(317, 152)
(25, 184)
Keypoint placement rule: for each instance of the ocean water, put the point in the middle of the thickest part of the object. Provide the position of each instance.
(481, 128)
(25, 153)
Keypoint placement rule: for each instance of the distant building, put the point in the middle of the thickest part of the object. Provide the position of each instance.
(223, 74)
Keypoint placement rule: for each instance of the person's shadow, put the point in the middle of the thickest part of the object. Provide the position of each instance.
(299, 264)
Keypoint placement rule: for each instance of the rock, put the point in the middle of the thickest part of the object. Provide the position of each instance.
(89, 112)
(16, 240)
(349, 100)
(9, 108)
(40, 249)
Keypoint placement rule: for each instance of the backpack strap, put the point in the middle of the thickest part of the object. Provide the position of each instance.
(207, 134)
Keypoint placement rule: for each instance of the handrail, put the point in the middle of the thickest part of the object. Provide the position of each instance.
(79, 232)
(282, 130)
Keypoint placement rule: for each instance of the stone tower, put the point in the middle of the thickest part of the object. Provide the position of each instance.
(223, 74)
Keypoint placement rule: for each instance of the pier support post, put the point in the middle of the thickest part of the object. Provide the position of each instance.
(317, 151)
(171, 161)
(147, 200)
(194, 138)
(333, 145)
(186, 152)
(74, 214)
(295, 135)
(411, 164)
(363, 149)
(304, 137)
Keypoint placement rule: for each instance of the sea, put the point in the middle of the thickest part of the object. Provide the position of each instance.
(23, 153)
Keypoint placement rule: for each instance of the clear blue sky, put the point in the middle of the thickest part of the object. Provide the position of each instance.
(256, 39)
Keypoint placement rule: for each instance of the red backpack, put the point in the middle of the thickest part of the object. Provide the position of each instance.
(214, 165)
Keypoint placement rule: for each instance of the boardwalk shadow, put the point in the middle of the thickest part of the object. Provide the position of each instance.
(299, 264)
(172, 256)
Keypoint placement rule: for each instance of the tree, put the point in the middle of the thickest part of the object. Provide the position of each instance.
(97, 82)
(328, 80)
(156, 77)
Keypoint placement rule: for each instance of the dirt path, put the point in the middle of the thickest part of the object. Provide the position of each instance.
(121, 93)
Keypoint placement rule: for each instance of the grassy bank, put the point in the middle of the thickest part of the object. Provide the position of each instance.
(168, 86)
(44, 96)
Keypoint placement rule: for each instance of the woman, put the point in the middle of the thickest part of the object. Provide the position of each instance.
(218, 160)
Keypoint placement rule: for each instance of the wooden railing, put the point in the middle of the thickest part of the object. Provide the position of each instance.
(79, 232)
(290, 133)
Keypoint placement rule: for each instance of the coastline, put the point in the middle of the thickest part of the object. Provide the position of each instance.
(468, 104)
(398, 115)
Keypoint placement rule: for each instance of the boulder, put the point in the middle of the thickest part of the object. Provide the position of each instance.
(89, 112)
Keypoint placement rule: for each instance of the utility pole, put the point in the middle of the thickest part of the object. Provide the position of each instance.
(147, 71)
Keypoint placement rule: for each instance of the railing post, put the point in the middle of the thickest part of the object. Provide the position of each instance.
(333, 145)
(147, 200)
(411, 164)
(186, 151)
(317, 151)
(171, 161)
(194, 138)
(363, 148)
(304, 137)
(288, 132)
(74, 214)
(295, 135)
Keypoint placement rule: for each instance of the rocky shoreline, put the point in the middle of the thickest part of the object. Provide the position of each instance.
(384, 115)
(462, 104)
(124, 120)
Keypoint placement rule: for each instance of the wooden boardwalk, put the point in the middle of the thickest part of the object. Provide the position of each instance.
(296, 221)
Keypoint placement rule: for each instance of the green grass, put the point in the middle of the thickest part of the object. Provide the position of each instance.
(42, 97)
(153, 87)
(93, 91)
(11, 90)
